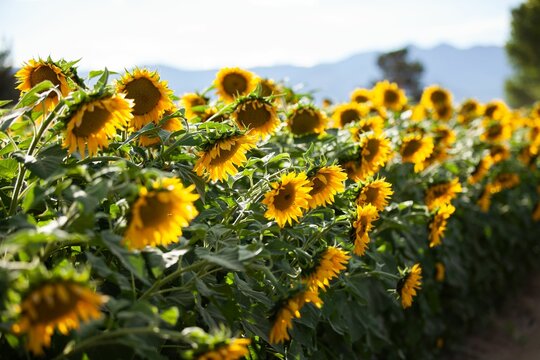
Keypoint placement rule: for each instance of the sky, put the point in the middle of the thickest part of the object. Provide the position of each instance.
(208, 34)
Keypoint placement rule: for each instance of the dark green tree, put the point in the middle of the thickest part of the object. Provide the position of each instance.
(523, 50)
(395, 66)
(7, 78)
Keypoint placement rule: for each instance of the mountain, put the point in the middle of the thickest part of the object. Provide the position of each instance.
(477, 72)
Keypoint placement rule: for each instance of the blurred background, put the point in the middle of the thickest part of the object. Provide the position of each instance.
(329, 47)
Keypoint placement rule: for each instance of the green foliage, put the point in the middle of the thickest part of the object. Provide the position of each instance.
(396, 67)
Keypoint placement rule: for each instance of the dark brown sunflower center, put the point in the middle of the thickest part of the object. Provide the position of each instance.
(391, 97)
(318, 186)
(253, 116)
(285, 197)
(438, 97)
(303, 122)
(225, 155)
(349, 116)
(490, 110)
(43, 73)
(468, 108)
(51, 309)
(235, 84)
(371, 195)
(372, 148)
(266, 89)
(154, 211)
(92, 122)
(494, 131)
(443, 111)
(145, 95)
(197, 101)
(361, 99)
(411, 148)
(439, 191)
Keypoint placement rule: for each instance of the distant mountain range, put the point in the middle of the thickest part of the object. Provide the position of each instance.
(477, 72)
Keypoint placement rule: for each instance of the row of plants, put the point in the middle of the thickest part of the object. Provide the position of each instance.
(246, 221)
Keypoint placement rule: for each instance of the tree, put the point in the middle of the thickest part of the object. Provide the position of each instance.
(396, 67)
(7, 78)
(523, 50)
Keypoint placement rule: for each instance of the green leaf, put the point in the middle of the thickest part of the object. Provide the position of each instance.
(37, 94)
(170, 315)
(47, 163)
(227, 258)
(8, 168)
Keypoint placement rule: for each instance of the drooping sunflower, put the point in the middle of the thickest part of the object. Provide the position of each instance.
(496, 110)
(288, 198)
(171, 124)
(443, 193)
(416, 148)
(360, 95)
(194, 105)
(34, 72)
(221, 158)
(326, 182)
(435, 97)
(55, 305)
(409, 284)
(481, 170)
(257, 115)
(375, 192)
(389, 95)
(376, 152)
(362, 226)
(496, 131)
(469, 110)
(95, 122)
(437, 225)
(232, 83)
(374, 124)
(235, 349)
(330, 263)
(152, 97)
(287, 311)
(440, 271)
(348, 113)
(159, 213)
(306, 119)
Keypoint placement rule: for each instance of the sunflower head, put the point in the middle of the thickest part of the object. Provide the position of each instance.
(268, 87)
(232, 349)
(361, 96)
(94, 120)
(376, 151)
(34, 72)
(349, 113)
(306, 119)
(435, 97)
(287, 198)
(442, 193)
(257, 115)
(408, 285)
(504, 180)
(499, 152)
(365, 215)
(496, 131)
(481, 170)
(373, 124)
(443, 112)
(419, 112)
(469, 110)
(170, 123)
(496, 110)
(55, 304)
(329, 264)
(389, 95)
(326, 182)
(194, 104)
(375, 192)
(415, 149)
(437, 225)
(232, 83)
(440, 271)
(159, 214)
(151, 96)
(444, 136)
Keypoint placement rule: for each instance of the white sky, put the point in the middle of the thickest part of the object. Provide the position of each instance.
(202, 34)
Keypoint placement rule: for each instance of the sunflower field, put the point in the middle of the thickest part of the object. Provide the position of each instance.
(246, 221)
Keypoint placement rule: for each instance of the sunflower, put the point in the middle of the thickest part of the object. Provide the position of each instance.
(96, 122)
(210, 114)
(158, 214)
(374, 124)
(416, 148)
(376, 192)
(409, 284)
(438, 155)
(362, 226)
(330, 264)
(440, 271)
(194, 104)
(306, 119)
(34, 72)
(375, 153)
(443, 135)
(235, 349)
(326, 182)
(437, 226)
(418, 112)
(290, 309)
(481, 169)
(257, 115)
(435, 97)
(469, 110)
(389, 95)
(220, 159)
(535, 111)
(504, 181)
(152, 97)
(348, 113)
(528, 156)
(61, 305)
(269, 87)
(287, 198)
(499, 152)
(360, 95)
(496, 131)
(443, 112)
(326, 103)
(232, 83)
(485, 198)
(534, 132)
(171, 124)
(443, 193)
(496, 110)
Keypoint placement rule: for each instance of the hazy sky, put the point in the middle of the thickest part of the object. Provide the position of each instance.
(205, 34)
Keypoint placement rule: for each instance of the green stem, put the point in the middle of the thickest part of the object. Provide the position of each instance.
(106, 158)
(167, 279)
